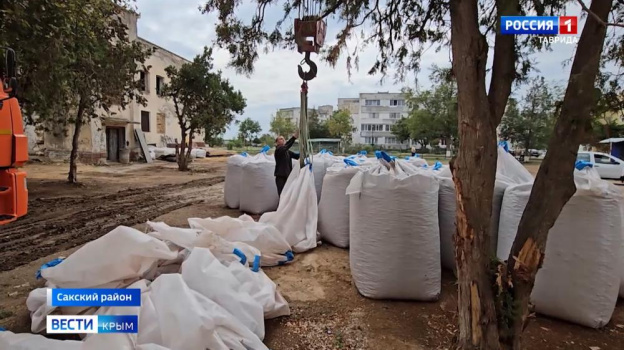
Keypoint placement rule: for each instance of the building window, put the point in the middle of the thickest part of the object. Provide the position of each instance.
(160, 82)
(144, 80)
(374, 115)
(387, 127)
(395, 115)
(397, 102)
(372, 103)
(371, 140)
(391, 140)
(145, 121)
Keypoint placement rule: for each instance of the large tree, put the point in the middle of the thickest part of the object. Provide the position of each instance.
(249, 130)
(282, 125)
(529, 124)
(340, 125)
(202, 99)
(77, 60)
(491, 315)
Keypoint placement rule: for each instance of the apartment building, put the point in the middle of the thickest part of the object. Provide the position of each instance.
(102, 138)
(373, 116)
(294, 113)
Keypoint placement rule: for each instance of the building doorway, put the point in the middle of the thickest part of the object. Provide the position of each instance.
(115, 140)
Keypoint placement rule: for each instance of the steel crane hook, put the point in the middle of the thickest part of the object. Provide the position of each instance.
(311, 74)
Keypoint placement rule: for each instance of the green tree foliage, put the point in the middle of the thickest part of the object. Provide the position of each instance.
(609, 110)
(340, 125)
(282, 125)
(267, 140)
(248, 130)
(530, 123)
(318, 129)
(76, 61)
(202, 99)
(401, 130)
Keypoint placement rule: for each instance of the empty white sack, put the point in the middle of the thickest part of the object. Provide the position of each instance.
(297, 215)
(114, 260)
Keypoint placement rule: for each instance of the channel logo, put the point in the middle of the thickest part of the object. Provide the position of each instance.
(539, 25)
(66, 324)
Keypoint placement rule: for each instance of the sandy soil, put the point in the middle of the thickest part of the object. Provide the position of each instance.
(327, 311)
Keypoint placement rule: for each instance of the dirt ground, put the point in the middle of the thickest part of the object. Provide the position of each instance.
(327, 311)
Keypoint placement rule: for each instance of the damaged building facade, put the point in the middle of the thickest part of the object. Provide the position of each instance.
(102, 138)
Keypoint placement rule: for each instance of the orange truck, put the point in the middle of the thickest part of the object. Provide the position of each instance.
(13, 145)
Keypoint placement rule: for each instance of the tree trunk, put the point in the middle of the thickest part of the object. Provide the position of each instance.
(555, 179)
(73, 157)
(182, 160)
(473, 172)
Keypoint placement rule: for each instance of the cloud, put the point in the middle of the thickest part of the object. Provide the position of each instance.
(180, 27)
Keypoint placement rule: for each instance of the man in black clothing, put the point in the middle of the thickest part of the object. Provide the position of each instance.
(283, 160)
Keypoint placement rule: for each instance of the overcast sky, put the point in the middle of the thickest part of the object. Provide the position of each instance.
(179, 27)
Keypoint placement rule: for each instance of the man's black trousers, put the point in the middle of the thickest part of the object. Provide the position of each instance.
(280, 181)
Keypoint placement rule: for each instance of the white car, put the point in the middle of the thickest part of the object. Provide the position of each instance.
(606, 165)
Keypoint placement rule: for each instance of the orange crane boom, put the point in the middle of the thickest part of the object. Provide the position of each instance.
(13, 146)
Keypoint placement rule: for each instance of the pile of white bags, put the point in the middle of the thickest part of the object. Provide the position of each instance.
(233, 178)
(394, 233)
(297, 215)
(580, 277)
(417, 161)
(197, 289)
(258, 193)
(508, 172)
(333, 223)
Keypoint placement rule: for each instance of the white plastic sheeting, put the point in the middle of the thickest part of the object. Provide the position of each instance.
(258, 192)
(508, 172)
(578, 281)
(26, 341)
(297, 215)
(394, 234)
(333, 212)
(94, 265)
(198, 153)
(265, 237)
(233, 178)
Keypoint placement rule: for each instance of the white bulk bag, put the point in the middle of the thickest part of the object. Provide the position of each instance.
(297, 215)
(508, 172)
(198, 153)
(262, 236)
(27, 341)
(233, 178)
(258, 192)
(114, 260)
(203, 273)
(187, 320)
(321, 162)
(578, 280)
(394, 234)
(417, 161)
(333, 210)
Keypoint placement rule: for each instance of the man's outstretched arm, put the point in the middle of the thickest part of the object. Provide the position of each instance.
(291, 141)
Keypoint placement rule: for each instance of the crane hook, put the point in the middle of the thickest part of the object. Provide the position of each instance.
(309, 75)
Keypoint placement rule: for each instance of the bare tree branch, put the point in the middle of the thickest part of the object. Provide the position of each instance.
(595, 16)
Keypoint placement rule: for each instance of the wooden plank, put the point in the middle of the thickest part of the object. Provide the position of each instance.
(141, 137)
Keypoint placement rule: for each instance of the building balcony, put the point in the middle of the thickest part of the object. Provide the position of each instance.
(376, 134)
